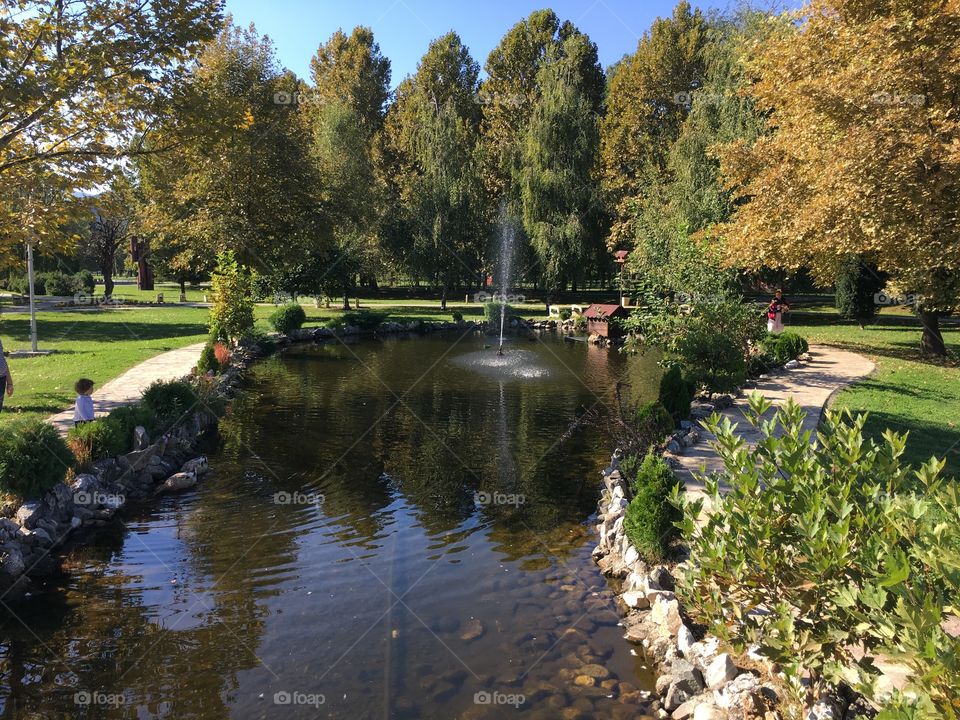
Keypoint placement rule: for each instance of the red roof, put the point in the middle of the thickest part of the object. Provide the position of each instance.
(597, 311)
(621, 255)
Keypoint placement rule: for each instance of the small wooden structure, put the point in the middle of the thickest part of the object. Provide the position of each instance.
(599, 317)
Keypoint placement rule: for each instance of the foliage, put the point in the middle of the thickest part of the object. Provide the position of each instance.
(565, 313)
(711, 340)
(812, 549)
(857, 285)
(231, 316)
(652, 419)
(96, 440)
(676, 393)
(492, 312)
(264, 343)
(33, 458)
(782, 347)
(20, 284)
(364, 319)
(208, 360)
(288, 317)
(222, 353)
(457, 316)
(861, 158)
(170, 402)
(85, 281)
(650, 520)
(59, 283)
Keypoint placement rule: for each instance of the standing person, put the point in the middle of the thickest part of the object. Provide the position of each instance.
(775, 310)
(83, 408)
(6, 379)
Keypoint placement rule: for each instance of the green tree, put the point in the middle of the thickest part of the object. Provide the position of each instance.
(857, 285)
(231, 316)
(559, 192)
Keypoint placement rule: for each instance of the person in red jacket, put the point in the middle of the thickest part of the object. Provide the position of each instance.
(775, 310)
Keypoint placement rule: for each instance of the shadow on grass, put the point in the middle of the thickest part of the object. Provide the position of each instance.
(925, 439)
(99, 330)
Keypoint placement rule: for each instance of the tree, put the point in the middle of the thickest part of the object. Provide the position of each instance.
(861, 157)
(112, 211)
(81, 83)
(231, 316)
(559, 191)
(857, 285)
(432, 135)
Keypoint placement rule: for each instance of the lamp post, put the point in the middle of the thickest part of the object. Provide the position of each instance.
(33, 308)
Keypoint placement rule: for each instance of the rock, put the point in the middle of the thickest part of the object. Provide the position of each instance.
(8, 529)
(661, 578)
(675, 698)
(792, 364)
(595, 671)
(705, 711)
(631, 556)
(197, 465)
(743, 695)
(686, 709)
(584, 681)
(180, 481)
(686, 425)
(827, 707)
(11, 560)
(635, 599)
(42, 536)
(663, 684)
(474, 629)
(29, 513)
(666, 613)
(686, 677)
(684, 639)
(720, 671)
(138, 459)
(674, 447)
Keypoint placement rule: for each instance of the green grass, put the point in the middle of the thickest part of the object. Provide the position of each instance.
(907, 392)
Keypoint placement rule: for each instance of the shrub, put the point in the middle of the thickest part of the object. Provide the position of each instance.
(21, 286)
(845, 550)
(59, 283)
(783, 347)
(127, 417)
(96, 440)
(856, 285)
(457, 316)
(288, 317)
(231, 316)
(364, 319)
(493, 310)
(565, 313)
(266, 344)
(33, 458)
(650, 518)
(208, 360)
(222, 353)
(676, 393)
(84, 280)
(169, 401)
(654, 418)
(580, 323)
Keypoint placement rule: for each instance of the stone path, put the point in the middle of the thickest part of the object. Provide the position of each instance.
(811, 386)
(128, 388)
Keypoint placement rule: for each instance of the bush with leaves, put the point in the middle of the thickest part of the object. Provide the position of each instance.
(85, 281)
(493, 310)
(231, 316)
(651, 517)
(818, 549)
(288, 317)
(364, 319)
(676, 393)
(95, 440)
(857, 285)
(782, 347)
(170, 402)
(33, 458)
(457, 316)
(208, 360)
(59, 283)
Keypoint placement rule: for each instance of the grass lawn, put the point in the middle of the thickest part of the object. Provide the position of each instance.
(907, 392)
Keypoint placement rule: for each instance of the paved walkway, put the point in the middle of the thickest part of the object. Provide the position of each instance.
(811, 386)
(128, 388)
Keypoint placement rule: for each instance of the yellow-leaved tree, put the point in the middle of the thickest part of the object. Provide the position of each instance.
(862, 157)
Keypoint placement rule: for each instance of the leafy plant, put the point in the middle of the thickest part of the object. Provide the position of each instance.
(814, 548)
(782, 347)
(650, 519)
(365, 319)
(288, 317)
(208, 360)
(222, 353)
(231, 316)
(33, 458)
(676, 393)
(97, 439)
(457, 316)
(856, 286)
(565, 313)
(493, 310)
(169, 402)
(84, 280)
(59, 283)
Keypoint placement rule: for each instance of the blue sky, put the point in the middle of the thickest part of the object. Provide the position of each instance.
(404, 28)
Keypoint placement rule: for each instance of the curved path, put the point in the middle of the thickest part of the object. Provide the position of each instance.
(128, 387)
(811, 386)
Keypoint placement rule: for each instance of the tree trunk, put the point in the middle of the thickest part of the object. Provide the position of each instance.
(443, 297)
(346, 301)
(107, 271)
(931, 342)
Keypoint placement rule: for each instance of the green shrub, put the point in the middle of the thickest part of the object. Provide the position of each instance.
(231, 316)
(650, 518)
(580, 323)
(169, 402)
(266, 344)
(565, 313)
(127, 417)
(493, 310)
(654, 417)
(457, 316)
(59, 283)
(782, 347)
(21, 286)
(288, 317)
(84, 280)
(97, 439)
(857, 285)
(676, 393)
(364, 319)
(208, 360)
(846, 550)
(33, 458)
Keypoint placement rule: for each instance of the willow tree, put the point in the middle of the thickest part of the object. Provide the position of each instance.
(559, 189)
(433, 133)
(863, 157)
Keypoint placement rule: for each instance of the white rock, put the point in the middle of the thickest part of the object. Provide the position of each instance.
(720, 671)
(635, 599)
(705, 711)
(684, 639)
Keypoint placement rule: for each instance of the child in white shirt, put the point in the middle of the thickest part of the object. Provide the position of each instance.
(83, 409)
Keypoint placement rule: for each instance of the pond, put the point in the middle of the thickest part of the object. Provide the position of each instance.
(390, 529)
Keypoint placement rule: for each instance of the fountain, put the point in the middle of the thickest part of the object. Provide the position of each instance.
(507, 237)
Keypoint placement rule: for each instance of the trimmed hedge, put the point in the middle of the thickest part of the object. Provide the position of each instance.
(649, 523)
(676, 393)
(33, 458)
(288, 317)
(783, 347)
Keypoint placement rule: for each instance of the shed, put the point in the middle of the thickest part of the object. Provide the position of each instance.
(599, 317)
